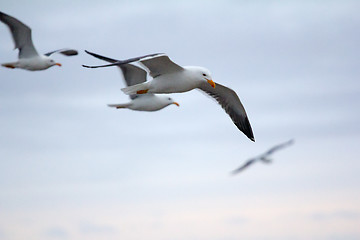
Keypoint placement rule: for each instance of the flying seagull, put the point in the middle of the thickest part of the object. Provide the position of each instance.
(29, 58)
(135, 75)
(169, 77)
(263, 157)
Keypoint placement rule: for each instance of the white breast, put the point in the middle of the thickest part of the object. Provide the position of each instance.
(174, 83)
(33, 64)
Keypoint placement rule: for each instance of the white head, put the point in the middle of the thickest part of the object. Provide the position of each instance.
(202, 74)
(168, 100)
(50, 62)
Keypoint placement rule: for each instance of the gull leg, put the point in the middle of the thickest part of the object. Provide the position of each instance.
(142, 91)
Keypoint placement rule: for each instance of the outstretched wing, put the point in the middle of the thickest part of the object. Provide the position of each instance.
(230, 102)
(64, 51)
(160, 64)
(121, 62)
(244, 166)
(280, 146)
(132, 74)
(107, 59)
(21, 35)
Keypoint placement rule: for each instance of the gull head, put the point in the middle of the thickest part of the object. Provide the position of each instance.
(50, 62)
(203, 74)
(166, 101)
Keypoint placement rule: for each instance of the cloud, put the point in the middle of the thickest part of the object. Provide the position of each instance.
(91, 228)
(347, 236)
(57, 233)
(2, 234)
(237, 220)
(350, 215)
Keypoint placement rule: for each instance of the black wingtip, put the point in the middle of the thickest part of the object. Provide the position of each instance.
(90, 53)
(235, 171)
(247, 130)
(2, 14)
(70, 52)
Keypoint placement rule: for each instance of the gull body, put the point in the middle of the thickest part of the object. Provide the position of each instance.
(169, 77)
(29, 59)
(189, 78)
(146, 102)
(133, 75)
(39, 62)
(264, 158)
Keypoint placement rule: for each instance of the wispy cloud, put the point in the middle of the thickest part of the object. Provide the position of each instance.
(237, 220)
(2, 234)
(56, 233)
(337, 215)
(347, 236)
(92, 228)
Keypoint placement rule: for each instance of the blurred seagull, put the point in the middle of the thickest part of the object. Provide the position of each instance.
(169, 77)
(29, 58)
(263, 157)
(135, 75)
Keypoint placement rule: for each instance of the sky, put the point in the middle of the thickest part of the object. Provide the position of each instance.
(73, 168)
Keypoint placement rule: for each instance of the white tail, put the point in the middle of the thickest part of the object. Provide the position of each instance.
(9, 65)
(134, 89)
(125, 105)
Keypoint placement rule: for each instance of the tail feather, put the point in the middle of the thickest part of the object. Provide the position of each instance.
(134, 89)
(124, 105)
(9, 65)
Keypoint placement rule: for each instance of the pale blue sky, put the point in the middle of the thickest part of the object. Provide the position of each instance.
(72, 168)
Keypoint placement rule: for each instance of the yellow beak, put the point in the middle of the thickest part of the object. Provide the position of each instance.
(211, 82)
(176, 104)
(58, 64)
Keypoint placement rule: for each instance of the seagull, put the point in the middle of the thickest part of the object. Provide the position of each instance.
(29, 58)
(263, 157)
(134, 75)
(169, 77)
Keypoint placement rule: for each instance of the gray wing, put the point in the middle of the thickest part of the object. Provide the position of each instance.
(21, 35)
(244, 166)
(64, 51)
(132, 74)
(160, 65)
(278, 147)
(232, 105)
(118, 62)
(107, 59)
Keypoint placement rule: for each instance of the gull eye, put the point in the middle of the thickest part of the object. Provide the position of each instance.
(204, 74)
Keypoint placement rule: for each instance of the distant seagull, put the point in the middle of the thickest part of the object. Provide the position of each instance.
(135, 75)
(169, 77)
(29, 58)
(263, 157)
